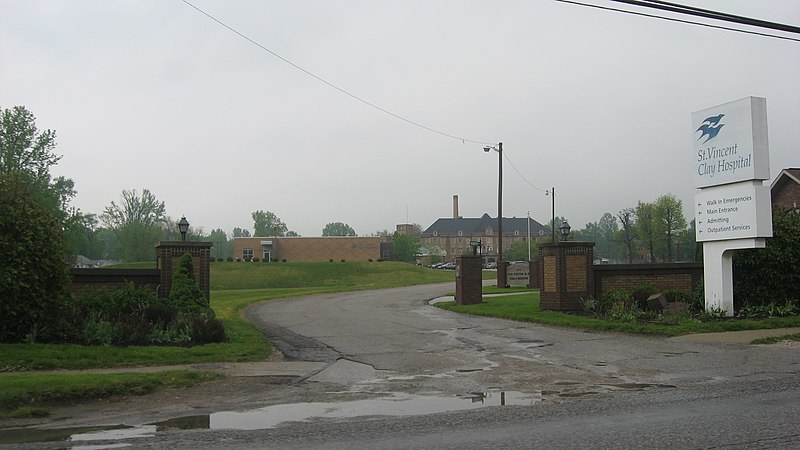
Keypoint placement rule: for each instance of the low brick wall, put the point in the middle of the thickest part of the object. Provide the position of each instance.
(681, 276)
(86, 281)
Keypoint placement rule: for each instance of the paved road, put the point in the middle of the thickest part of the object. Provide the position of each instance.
(409, 346)
(389, 352)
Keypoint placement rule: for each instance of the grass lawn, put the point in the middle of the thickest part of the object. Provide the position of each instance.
(525, 307)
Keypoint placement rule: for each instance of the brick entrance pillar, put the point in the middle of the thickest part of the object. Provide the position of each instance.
(168, 255)
(469, 280)
(565, 275)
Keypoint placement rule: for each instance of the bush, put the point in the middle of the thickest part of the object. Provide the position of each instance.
(772, 274)
(640, 294)
(206, 330)
(230, 259)
(256, 259)
(675, 295)
(185, 295)
(33, 276)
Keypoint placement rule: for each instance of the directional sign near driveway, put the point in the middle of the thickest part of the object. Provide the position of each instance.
(737, 211)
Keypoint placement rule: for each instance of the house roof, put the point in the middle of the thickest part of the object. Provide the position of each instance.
(786, 176)
(478, 226)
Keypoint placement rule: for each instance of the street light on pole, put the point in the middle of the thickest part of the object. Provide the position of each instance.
(501, 268)
(529, 235)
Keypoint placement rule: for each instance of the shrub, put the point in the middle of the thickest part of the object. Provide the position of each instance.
(33, 276)
(185, 295)
(343, 261)
(283, 260)
(256, 259)
(230, 259)
(206, 330)
(370, 260)
(330, 260)
(771, 274)
(265, 260)
(640, 294)
(676, 295)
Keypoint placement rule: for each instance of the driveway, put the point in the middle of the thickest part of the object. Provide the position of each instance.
(392, 340)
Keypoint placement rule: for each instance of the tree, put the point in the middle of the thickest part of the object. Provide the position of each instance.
(28, 153)
(23, 149)
(608, 228)
(136, 223)
(239, 232)
(669, 214)
(338, 229)
(33, 276)
(771, 274)
(266, 223)
(627, 234)
(558, 220)
(405, 247)
(647, 227)
(518, 251)
(219, 244)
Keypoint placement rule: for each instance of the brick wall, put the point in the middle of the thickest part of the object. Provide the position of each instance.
(85, 281)
(681, 276)
(788, 197)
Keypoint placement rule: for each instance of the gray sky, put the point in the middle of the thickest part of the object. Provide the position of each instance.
(152, 94)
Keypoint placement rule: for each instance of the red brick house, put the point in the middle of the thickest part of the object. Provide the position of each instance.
(785, 190)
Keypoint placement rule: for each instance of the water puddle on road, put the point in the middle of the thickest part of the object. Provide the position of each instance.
(395, 404)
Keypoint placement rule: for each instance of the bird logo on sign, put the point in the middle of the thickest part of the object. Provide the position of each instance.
(711, 127)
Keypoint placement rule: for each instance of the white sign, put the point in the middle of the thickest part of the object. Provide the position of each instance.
(737, 211)
(730, 143)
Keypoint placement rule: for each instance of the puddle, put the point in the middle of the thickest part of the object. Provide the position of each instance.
(395, 404)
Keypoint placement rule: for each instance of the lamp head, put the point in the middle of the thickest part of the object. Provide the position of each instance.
(183, 227)
(486, 149)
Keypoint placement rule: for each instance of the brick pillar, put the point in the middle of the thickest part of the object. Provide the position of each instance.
(566, 275)
(469, 280)
(168, 255)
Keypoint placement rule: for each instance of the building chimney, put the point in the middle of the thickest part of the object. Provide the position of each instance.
(455, 207)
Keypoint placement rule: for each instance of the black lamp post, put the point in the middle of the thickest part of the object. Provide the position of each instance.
(564, 228)
(501, 269)
(183, 226)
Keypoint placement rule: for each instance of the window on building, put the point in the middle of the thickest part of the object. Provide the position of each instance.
(460, 233)
(435, 233)
(516, 232)
(247, 254)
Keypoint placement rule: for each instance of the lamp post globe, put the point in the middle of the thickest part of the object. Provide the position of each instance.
(564, 228)
(183, 226)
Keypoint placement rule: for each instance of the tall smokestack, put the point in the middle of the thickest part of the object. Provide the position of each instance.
(455, 207)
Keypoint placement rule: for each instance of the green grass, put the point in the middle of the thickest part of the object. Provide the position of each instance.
(525, 308)
(339, 275)
(776, 339)
(48, 389)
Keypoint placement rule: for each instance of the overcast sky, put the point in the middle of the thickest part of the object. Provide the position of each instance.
(155, 95)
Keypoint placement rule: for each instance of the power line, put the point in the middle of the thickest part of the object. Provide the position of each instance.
(368, 103)
(522, 176)
(330, 84)
(709, 14)
(672, 19)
